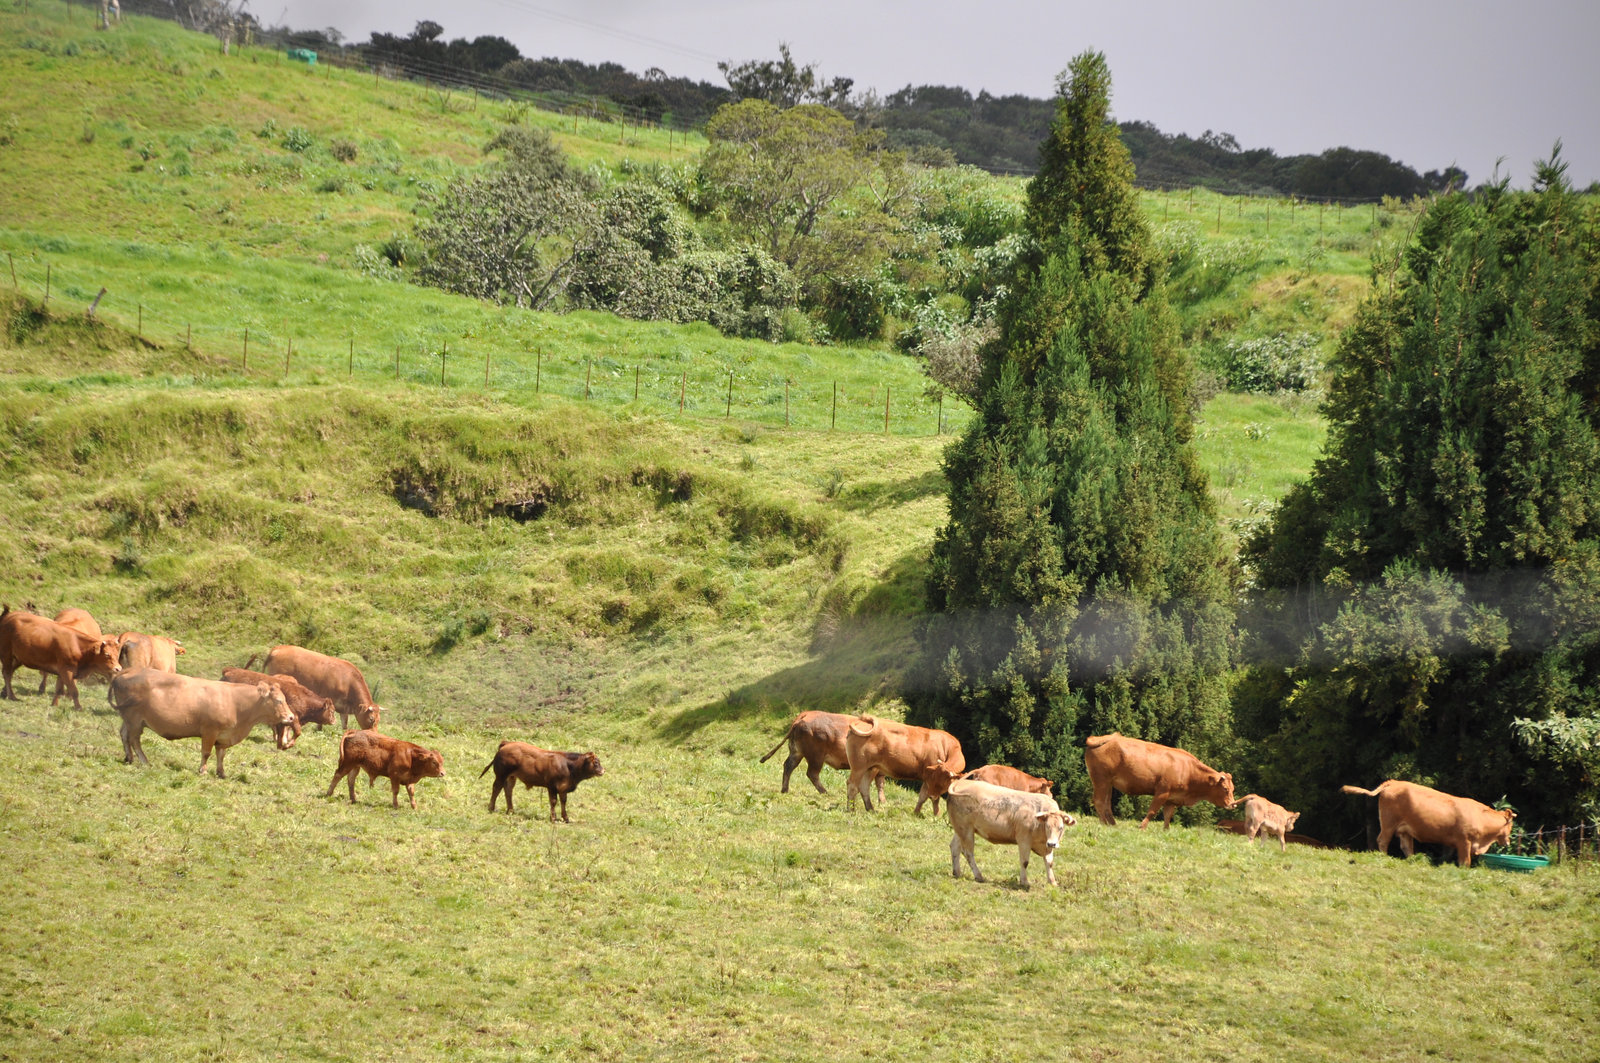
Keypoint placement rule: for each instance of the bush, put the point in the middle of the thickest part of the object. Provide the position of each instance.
(343, 150)
(853, 308)
(1268, 364)
(298, 140)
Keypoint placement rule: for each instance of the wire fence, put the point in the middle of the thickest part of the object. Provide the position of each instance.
(668, 383)
(1581, 842)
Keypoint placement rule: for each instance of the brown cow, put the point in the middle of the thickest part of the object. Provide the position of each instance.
(817, 738)
(901, 751)
(558, 773)
(1172, 777)
(1011, 779)
(402, 763)
(149, 651)
(77, 620)
(183, 706)
(1259, 814)
(1004, 816)
(306, 706)
(29, 641)
(332, 677)
(1422, 814)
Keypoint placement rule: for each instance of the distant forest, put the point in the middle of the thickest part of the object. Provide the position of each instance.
(935, 124)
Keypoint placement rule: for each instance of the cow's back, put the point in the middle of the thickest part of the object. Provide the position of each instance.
(995, 813)
(1433, 816)
(901, 750)
(80, 620)
(168, 699)
(331, 677)
(30, 638)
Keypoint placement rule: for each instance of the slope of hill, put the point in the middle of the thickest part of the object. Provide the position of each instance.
(512, 561)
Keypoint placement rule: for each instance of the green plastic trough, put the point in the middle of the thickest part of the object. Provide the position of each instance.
(1512, 862)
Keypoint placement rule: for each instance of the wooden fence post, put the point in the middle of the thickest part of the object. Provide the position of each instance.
(288, 351)
(729, 412)
(13, 263)
(683, 385)
(588, 369)
(90, 313)
(635, 384)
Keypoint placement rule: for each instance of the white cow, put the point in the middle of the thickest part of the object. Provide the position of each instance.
(1004, 816)
(181, 706)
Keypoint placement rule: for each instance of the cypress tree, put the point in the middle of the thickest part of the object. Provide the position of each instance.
(1080, 585)
(1430, 598)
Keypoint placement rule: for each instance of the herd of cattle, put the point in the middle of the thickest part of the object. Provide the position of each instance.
(998, 803)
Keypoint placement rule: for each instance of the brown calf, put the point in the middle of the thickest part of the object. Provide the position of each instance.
(1011, 779)
(306, 706)
(559, 773)
(402, 763)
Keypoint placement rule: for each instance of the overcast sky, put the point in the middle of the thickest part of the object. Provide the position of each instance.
(1428, 82)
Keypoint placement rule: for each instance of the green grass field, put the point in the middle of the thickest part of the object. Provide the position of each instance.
(606, 572)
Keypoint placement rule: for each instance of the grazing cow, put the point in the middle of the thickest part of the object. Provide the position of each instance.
(332, 677)
(149, 651)
(1004, 816)
(1172, 777)
(183, 706)
(878, 747)
(817, 738)
(306, 706)
(1238, 826)
(1259, 814)
(29, 641)
(77, 620)
(558, 773)
(1422, 814)
(1010, 778)
(402, 763)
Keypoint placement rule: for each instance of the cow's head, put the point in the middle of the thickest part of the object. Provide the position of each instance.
(1221, 789)
(937, 779)
(1053, 823)
(285, 728)
(1502, 834)
(430, 763)
(102, 659)
(1041, 786)
(367, 716)
(1290, 821)
(322, 712)
(589, 767)
(177, 647)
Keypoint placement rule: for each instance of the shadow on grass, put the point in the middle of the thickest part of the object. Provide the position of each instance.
(860, 655)
(876, 495)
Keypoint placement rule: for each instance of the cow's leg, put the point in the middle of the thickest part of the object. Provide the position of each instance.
(1408, 845)
(7, 667)
(1252, 832)
(411, 792)
(564, 818)
(1050, 867)
(1155, 806)
(494, 794)
(1283, 841)
(968, 848)
(351, 779)
(955, 855)
(1102, 803)
(130, 741)
(64, 679)
(1463, 851)
(511, 783)
(551, 790)
(44, 677)
(206, 743)
(878, 778)
(221, 749)
(1024, 854)
(813, 772)
(860, 781)
(791, 762)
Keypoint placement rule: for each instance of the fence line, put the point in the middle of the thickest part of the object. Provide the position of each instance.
(1581, 842)
(699, 388)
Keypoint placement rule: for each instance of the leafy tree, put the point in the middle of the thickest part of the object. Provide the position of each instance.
(1080, 586)
(513, 233)
(1430, 602)
(784, 83)
(777, 174)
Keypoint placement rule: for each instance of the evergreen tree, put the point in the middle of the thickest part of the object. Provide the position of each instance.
(1430, 604)
(1080, 586)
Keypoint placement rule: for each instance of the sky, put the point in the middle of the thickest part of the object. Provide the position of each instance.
(1428, 82)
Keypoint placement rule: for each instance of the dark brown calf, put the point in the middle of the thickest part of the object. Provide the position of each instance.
(559, 773)
(307, 706)
(402, 763)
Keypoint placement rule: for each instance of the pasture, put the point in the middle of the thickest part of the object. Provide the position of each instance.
(607, 574)
(690, 910)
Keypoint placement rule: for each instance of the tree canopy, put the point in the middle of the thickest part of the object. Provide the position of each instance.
(1437, 579)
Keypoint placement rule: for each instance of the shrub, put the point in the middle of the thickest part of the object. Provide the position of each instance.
(853, 308)
(298, 140)
(1267, 364)
(343, 150)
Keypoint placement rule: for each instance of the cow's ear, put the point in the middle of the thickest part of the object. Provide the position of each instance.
(1041, 815)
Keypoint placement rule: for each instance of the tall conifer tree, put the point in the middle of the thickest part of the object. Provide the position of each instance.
(1080, 586)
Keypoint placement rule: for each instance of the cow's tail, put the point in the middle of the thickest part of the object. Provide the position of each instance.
(341, 739)
(1096, 741)
(779, 746)
(487, 766)
(5, 610)
(1359, 790)
(250, 665)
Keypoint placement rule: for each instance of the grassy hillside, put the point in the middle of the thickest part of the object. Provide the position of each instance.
(518, 561)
